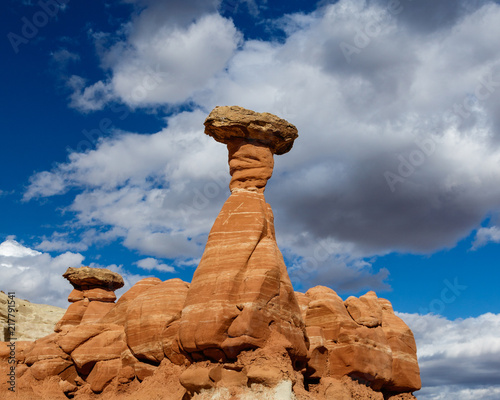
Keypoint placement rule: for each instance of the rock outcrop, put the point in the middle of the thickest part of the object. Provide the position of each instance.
(33, 321)
(93, 295)
(361, 338)
(241, 292)
(238, 331)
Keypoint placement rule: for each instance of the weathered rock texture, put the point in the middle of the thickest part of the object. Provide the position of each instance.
(92, 297)
(238, 331)
(361, 338)
(32, 321)
(241, 292)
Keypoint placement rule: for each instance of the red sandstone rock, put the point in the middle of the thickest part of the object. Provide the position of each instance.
(102, 373)
(49, 367)
(105, 346)
(241, 286)
(118, 315)
(99, 294)
(95, 311)
(241, 291)
(44, 349)
(73, 315)
(365, 310)
(76, 336)
(75, 295)
(405, 370)
(362, 353)
(150, 314)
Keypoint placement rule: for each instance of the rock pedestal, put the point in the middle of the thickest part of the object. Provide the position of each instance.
(93, 295)
(241, 292)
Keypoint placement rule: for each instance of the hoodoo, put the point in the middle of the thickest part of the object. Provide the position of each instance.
(241, 291)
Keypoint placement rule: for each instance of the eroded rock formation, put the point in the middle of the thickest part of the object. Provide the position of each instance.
(92, 297)
(241, 291)
(238, 331)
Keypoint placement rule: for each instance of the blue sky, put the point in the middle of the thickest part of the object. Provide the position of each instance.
(392, 186)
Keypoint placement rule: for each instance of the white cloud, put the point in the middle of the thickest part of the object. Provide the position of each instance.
(486, 235)
(165, 65)
(35, 275)
(458, 359)
(150, 264)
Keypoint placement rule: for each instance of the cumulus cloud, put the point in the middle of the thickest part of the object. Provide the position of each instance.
(397, 148)
(150, 264)
(444, 347)
(169, 52)
(35, 275)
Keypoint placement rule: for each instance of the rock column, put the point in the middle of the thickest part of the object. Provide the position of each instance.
(93, 295)
(241, 292)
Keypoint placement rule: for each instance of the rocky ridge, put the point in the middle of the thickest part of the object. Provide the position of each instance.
(238, 330)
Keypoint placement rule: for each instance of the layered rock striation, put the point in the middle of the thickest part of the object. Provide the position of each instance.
(241, 292)
(238, 331)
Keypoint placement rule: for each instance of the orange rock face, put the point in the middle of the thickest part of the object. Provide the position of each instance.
(241, 291)
(150, 314)
(360, 338)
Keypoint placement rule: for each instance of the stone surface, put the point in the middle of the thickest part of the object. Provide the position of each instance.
(360, 338)
(241, 286)
(227, 123)
(405, 370)
(118, 315)
(196, 378)
(150, 314)
(73, 316)
(366, 310)
(99, 294)
(103, 373)
(84, 277)
(105, 346)
(33, 321)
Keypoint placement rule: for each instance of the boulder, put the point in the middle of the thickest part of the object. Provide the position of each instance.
(366, 310)
(150, 315)
(105, 346)
(86, 277)
(227, 123)
(103, 373)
